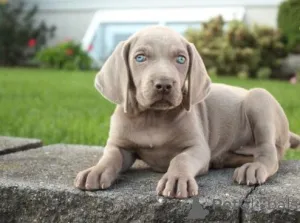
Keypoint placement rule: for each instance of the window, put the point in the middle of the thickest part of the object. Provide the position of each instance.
(108, 35)
(181, 27)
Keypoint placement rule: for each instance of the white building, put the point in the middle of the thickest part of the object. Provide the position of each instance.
(101, 24)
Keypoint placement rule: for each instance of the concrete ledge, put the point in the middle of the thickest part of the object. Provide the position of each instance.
(37, 186)
(278, 200)
(13, 144)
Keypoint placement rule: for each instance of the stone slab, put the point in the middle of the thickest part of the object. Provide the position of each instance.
(37, 186)
(278, 200)
(14, 144)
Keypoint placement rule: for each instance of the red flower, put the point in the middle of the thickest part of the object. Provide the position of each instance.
(69, 52)
(31, 42)
(90, 47)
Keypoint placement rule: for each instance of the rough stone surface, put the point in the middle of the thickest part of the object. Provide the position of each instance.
(278, 200)
(37, 186)
(14, 144)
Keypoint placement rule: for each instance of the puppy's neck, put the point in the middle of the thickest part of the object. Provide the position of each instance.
(138, 112)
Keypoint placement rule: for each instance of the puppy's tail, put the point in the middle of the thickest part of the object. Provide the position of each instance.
(294, 140)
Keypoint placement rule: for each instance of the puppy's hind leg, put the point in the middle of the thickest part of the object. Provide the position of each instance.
(265, 117)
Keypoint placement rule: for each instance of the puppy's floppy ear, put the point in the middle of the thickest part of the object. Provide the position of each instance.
(113, 80)
(198, 81)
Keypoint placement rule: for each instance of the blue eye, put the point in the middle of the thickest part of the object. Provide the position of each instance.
(140, 58)
(180, 59)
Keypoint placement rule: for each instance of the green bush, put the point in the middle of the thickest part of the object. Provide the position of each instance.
(208, 41)
(288, 21)
(271, 48)
(67, 55)
(237, 49)
(21, 36)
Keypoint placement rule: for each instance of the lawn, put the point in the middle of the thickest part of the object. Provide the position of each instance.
(64, 107)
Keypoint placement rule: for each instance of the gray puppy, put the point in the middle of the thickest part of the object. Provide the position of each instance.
(172, 117)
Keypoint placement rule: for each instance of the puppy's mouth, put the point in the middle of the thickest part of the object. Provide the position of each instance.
(162, 104)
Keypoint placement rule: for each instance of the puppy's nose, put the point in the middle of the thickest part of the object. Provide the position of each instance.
(163, 86)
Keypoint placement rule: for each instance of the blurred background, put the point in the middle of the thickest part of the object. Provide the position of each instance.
(50, 51)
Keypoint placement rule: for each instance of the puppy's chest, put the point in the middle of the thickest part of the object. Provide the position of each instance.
(148, 135)
(151, 137)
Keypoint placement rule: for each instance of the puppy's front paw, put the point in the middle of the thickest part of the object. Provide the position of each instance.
(177, 186)
(251, 174)
(95, 178)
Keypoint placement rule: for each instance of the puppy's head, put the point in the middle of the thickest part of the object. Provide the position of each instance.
(155, 68)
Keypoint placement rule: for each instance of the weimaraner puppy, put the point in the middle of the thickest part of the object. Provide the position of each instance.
(173, 118)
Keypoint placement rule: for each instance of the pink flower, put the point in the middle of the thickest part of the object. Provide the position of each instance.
(293, 80)
(90, 47)
(31, 42)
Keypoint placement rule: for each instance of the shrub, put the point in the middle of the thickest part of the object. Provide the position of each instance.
(238, 50)
(66, 55)
(238, 56)
(208, 41)
(288, 21)
(21, 35)
(271, 48)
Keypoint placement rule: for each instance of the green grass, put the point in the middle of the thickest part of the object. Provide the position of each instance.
(64, 107)
(55, 106)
